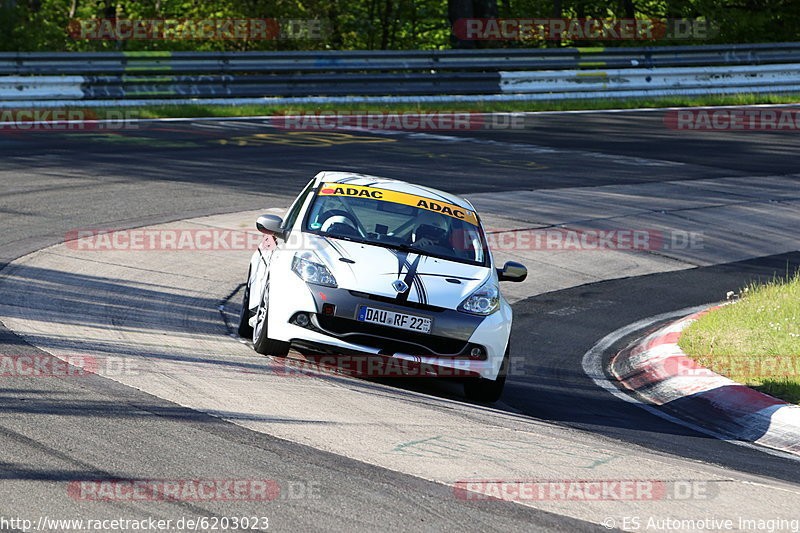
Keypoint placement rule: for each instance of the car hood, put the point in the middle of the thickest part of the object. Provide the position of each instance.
(372, 269)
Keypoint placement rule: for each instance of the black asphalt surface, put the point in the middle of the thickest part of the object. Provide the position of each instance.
(61, 430)
(645, 134)
(552, 385)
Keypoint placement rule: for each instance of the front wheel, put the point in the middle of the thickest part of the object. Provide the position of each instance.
(245, 329)
(261, 342)
(487, 390)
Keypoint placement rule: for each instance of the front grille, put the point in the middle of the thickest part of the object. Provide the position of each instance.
(386, 299)
(391, 340)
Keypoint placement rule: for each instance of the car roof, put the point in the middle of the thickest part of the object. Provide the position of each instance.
(365, 180)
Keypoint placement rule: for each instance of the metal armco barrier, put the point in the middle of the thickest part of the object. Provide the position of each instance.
(120, 78)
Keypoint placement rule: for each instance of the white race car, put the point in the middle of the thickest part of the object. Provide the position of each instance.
(376, 267)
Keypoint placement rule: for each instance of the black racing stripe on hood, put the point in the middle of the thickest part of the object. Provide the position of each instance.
(402, 260)
(422, 293)
(412, 278)
(411, 275)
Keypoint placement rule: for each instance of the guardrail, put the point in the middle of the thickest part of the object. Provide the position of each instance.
(132, 78)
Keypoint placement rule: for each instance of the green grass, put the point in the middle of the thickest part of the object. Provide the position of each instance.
(208, 110)
(755, 341)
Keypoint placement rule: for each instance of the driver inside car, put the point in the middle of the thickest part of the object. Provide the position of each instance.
(430, 231)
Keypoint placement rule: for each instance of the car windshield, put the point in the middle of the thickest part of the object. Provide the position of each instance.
(397, 220)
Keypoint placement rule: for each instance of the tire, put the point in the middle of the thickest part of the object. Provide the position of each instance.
(484, 390)
(261, 342)
(245, 329)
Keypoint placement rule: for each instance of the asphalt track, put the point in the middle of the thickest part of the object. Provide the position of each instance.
(59, 431)
(555, 388)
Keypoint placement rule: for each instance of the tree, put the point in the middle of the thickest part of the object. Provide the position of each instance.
(467, 9)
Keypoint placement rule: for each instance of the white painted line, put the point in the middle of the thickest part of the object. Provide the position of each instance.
(87, 104)
(244, 125)
(593, 367)
(212, 126)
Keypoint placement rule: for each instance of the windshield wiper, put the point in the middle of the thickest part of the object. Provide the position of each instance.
(342, 238)
(408, 248)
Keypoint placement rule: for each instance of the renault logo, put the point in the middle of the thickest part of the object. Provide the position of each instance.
(399, 285)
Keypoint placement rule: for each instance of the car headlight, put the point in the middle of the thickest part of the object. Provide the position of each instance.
(311, 270)
(484, 301)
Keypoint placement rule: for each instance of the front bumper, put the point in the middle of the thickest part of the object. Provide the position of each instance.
(449, 336)
(444, 352)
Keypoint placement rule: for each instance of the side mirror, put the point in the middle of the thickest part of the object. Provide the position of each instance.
(512, 271)
(271, 224)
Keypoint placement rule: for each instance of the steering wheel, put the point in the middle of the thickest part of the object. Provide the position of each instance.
(340, 213)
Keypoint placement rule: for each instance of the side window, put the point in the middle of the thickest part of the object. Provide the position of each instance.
(291, 216)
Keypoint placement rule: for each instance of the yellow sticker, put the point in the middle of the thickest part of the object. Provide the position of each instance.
(360, 191)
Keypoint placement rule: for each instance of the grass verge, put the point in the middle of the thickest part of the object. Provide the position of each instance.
(208, 110)
(755, 341)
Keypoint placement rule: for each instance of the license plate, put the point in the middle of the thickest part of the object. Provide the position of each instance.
(395, 320)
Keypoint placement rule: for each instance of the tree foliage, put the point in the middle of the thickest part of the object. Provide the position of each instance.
(41, 25)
